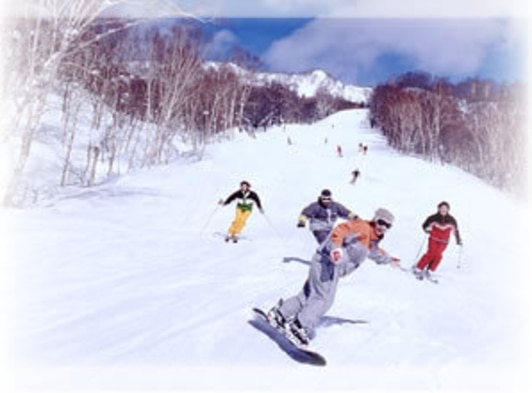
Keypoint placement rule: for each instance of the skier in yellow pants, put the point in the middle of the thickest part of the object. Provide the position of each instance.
(245, 199)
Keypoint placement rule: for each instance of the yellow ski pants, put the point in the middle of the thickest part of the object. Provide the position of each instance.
(241, 216)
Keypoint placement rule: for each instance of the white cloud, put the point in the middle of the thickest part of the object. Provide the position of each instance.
(118, 8)
(43, 8)
(452, 46)
(364, 8)
(424, 8)
(353, 46)
(291, 8)
(221, 42)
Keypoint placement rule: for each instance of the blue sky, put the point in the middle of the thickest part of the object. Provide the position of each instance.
(360, 42)
(365, 42)
(367, 51)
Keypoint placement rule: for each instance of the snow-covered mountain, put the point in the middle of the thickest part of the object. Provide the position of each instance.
(309, 83)
(128, 285)
(304, 84)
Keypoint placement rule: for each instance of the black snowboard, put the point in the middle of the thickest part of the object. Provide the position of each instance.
(302, 355)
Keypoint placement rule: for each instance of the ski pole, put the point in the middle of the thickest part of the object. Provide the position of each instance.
(417, 255)
(271, 225)
(422, 246)
(459, 265)
(279, 235)
(281, 238)
(209, 219)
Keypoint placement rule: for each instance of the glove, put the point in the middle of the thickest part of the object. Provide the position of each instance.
(459, 243)
(221, 202)
(301, 224)
(336, 255)
(261, 210)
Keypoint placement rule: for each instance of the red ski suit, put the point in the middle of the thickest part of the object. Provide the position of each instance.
(439, 227)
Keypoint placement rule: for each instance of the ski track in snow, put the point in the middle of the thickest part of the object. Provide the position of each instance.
(127, 275)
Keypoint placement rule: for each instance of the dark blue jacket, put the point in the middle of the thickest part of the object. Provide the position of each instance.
(322, 217)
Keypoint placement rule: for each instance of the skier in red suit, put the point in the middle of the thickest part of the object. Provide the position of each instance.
(439, 226)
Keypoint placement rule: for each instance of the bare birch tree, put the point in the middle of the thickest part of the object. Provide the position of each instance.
(476, 125)
(34, 44)
(171, 82)
(42, 37)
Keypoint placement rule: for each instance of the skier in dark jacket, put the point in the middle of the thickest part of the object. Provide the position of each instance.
(439, 226)
(245, 199)
(322, 215)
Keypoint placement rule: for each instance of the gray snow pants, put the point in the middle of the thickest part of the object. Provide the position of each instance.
(319, 290)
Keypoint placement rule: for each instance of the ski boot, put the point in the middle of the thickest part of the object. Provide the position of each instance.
(233, 238)
(418, 272)
(428, 274)
(276, 319)
(298, 334)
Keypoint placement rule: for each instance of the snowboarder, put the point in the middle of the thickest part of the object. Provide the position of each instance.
(356, 174)
(322, 215)
(439, 227)
(245, 199)
(347, 247)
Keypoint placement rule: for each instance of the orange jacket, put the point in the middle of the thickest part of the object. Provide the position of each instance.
(362, 230)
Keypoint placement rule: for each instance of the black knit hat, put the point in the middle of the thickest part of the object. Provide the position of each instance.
(245, 182)
(444, 203)
(326, 193)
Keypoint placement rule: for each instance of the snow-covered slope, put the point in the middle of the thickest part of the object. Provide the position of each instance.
(127, 285)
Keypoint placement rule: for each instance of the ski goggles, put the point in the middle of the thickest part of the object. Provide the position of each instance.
(383, 223)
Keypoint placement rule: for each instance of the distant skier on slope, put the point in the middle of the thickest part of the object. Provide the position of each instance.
(439, 227)
(355, 174)
(359, 163)
(347, 247)
(245, 200)
(323, 214)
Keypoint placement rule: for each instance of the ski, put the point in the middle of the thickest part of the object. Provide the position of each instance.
(329, 320)
(426, 277)
(418, 276)
(432, 280)
(296, 352)
(233, 239)
(296, 259)
(230, 239)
